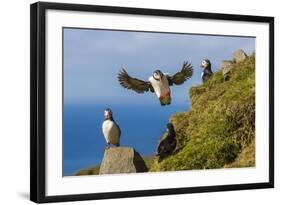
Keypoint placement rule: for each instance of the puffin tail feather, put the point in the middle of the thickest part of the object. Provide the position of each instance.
(165, 100)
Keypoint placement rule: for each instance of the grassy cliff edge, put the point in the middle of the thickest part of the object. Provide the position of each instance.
(219, 129)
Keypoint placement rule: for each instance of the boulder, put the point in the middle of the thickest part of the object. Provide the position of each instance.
(122, 160)
(239, 56)
(226, 67)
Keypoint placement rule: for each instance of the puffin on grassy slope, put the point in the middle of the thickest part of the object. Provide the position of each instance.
(168, 143)
(110, 129)
(207, 70)
(159, 83)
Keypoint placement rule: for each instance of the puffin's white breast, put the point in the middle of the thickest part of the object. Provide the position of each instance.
(110, 132)
(161, 88)
(202, 74)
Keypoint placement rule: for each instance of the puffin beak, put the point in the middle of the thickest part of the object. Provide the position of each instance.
(201, 66)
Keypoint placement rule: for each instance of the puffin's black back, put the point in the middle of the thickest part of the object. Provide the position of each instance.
(168, 144)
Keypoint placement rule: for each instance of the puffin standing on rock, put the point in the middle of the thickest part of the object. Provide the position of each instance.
(110, 129)
(168, 143)
(207, 71)
(159, 82)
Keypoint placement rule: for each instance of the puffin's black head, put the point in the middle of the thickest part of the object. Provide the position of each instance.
(170, 127)
(108, 114)
(206, 63)
(157, 75)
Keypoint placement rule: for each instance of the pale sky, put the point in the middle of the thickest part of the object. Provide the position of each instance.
(93, 58)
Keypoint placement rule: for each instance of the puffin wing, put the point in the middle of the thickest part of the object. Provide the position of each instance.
(119, 130)
(161, 145)
(135, 84)
(181, 76)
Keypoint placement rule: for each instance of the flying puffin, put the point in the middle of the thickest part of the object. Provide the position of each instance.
(168, 143)
(159, 83)
(207, 71)
(110, 129)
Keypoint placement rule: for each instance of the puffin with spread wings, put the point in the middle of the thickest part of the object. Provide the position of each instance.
(159, 82)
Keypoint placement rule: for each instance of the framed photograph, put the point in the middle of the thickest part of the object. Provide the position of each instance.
(129, 102)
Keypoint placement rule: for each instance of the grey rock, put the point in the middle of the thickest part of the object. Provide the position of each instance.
(226, 66)
(239, 56)
(122, 160)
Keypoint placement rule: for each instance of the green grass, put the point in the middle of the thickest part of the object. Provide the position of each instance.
(149, 160)
(219, 128)
(89, 171)
(246, 158)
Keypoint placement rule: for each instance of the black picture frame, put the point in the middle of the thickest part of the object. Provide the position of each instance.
(38, 97)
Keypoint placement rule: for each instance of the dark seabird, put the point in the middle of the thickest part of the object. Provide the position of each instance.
(110, 129)
(168, 143)
(159, 82)
(207, 71)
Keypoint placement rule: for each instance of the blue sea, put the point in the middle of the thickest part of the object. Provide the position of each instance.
(83, 142)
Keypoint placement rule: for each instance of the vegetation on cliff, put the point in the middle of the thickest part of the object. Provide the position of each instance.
(219, 129)
(94, 170)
